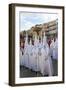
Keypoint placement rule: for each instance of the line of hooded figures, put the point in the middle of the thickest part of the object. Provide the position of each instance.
(38, 56)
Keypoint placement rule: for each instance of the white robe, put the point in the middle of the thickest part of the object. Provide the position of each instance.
(41, 60)
(26, 59)
(35, 65)
(30, 56)
(48, 68)
(51, 47)
(45, 62)
(48, 62)
(55, 50)
(21, 58)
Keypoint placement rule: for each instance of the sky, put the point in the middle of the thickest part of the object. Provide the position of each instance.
(27, 20)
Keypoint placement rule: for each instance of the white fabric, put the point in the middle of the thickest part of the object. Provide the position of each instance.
(36, 42)
(46, 65)
(41, 60)
(35, 66)
(30, 57)
(21, 58)
(48, 68)
(37, 56)
(45, 62)
(51, 47)
(55, 50)
(26, 58)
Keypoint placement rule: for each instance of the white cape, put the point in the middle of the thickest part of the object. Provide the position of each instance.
(35, 66)
(26, 58)
(55, 50)
(21, 58)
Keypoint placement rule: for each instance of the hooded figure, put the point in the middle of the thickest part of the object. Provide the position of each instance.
(35, 55)
(46, 62)
(21, 54)
(30, 54)
(26, 59)
(41, 55)
(52, 47)
(21, 57)
(55, 50)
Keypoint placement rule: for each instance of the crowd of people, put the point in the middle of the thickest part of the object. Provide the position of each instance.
(39, 56)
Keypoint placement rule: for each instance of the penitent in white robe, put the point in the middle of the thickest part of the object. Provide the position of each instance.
(30, 56)
(21, 58)
(41, 60)
(55, 50)
(20, 55)
(51, 47)
(46, 64)
(26, 59)
(35, 66)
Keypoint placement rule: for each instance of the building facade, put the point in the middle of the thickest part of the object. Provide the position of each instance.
(50, 29)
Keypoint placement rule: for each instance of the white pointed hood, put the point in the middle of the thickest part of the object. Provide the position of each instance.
(36, 41)
(41, 38)
(44, 39)
(26, 40)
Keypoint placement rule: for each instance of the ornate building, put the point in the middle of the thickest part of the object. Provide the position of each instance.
(50, 29)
